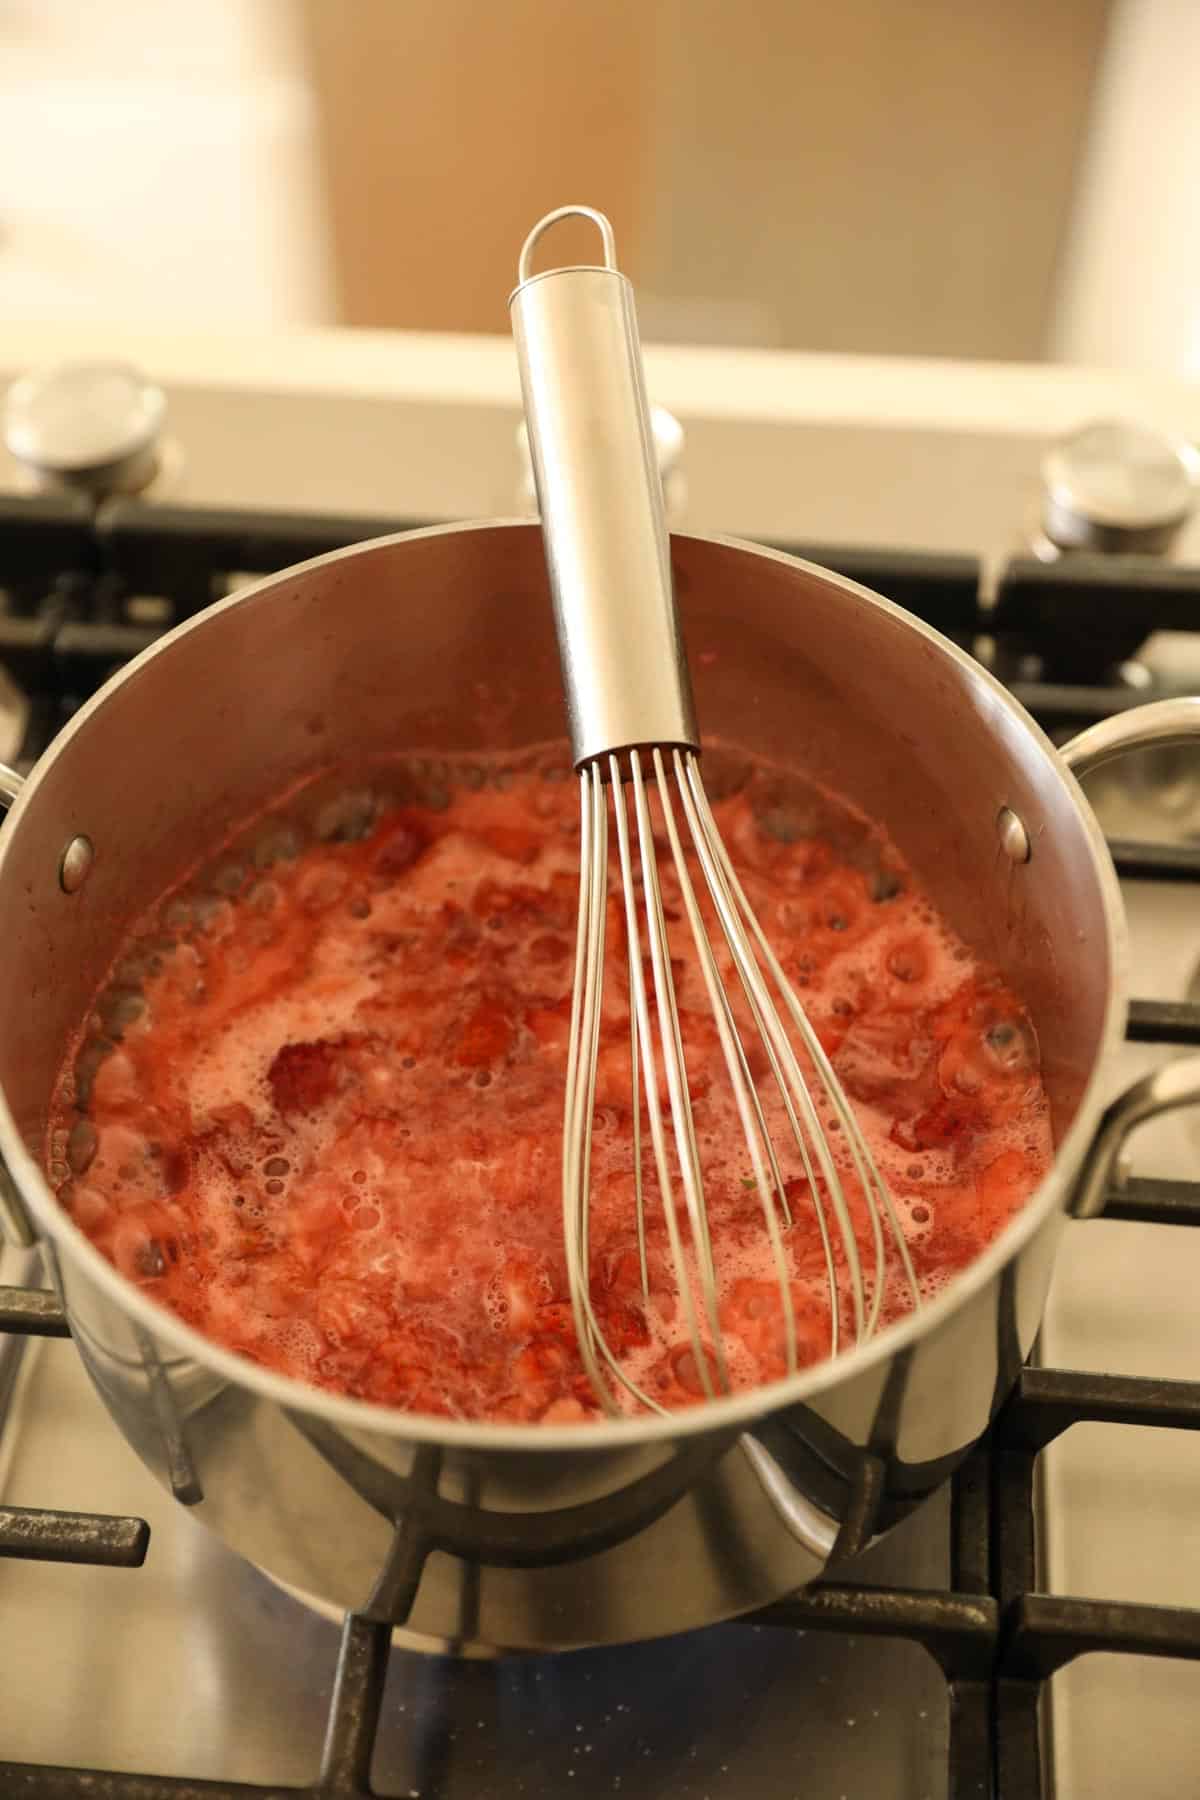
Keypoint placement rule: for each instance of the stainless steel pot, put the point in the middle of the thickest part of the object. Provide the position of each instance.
(507, 1536)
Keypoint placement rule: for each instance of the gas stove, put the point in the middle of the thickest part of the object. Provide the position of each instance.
(1035, 1630)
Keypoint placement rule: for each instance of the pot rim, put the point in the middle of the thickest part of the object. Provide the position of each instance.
(721, 1415)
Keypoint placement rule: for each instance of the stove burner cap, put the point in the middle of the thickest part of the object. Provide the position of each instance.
(94, 426)
(1114, 487)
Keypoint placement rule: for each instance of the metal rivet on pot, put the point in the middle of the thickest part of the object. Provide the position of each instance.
(1014, 839)
(75, 864)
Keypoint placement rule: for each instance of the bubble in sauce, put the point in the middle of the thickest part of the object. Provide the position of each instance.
(907, 962)
(347, 818)
(1012, 1044)
(278, 843)
(214, 914)
(884, 885)
(80, 1145)
(87, 1062)
(118, 1008)
(229, 878)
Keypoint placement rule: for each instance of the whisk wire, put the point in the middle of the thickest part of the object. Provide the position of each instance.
(768, 1178)
(874, 1187)
(639, 1196)
(707, 860)
(581, 1069)
(581, 1094)
(650, 1078)
(744, 936)
(670, 1036)
(811, 1139)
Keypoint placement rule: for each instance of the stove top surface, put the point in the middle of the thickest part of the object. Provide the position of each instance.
(920, 1670)
(197, 1665)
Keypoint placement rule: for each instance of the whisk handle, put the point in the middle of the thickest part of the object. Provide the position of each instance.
(600, 495)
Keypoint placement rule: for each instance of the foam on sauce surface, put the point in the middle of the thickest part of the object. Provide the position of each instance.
(318, 1109)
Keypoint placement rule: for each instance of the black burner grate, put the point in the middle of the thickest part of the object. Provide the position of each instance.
(995, 1638)
(83, 594)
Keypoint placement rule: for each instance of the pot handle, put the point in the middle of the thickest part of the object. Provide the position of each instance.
(10, 785)
(1176, 1084)
(1159, 725)
(14, 1226)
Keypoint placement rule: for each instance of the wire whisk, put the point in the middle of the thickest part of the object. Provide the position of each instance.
(633, 734)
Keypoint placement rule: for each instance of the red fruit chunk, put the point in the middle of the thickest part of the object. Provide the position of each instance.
(947, 1125)
(303, 1076)
(548, 949)
(517, 906)
(173, 1163)
(907, 961)
(518, 843)
(486, 1037)
(523, 1288)
(754, 1315)
(1004, 1183)
(623, 1327)
(544, 1359)
(550, 1024)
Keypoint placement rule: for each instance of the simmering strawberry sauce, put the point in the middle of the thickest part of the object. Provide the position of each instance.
(317, 1109)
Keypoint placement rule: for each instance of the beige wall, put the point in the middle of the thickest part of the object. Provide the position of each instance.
(887, 175)
(884, 175)
(1130, 287)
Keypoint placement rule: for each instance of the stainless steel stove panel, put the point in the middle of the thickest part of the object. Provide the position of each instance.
(197, 1665)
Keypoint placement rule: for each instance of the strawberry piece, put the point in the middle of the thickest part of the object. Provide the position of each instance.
(674, 1380)
(517, 843)
(524, 1287)
(346, 1312)
(303, 1076)
(523, 907)
(754, 1314)
(623, 1327)
(316, 1223)
(908, 962)
(486, 1037)
(543, 1360)
(949, 1124)
(550, 949)
(1004, 1184)
(614, 1076)
(550, 1025)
